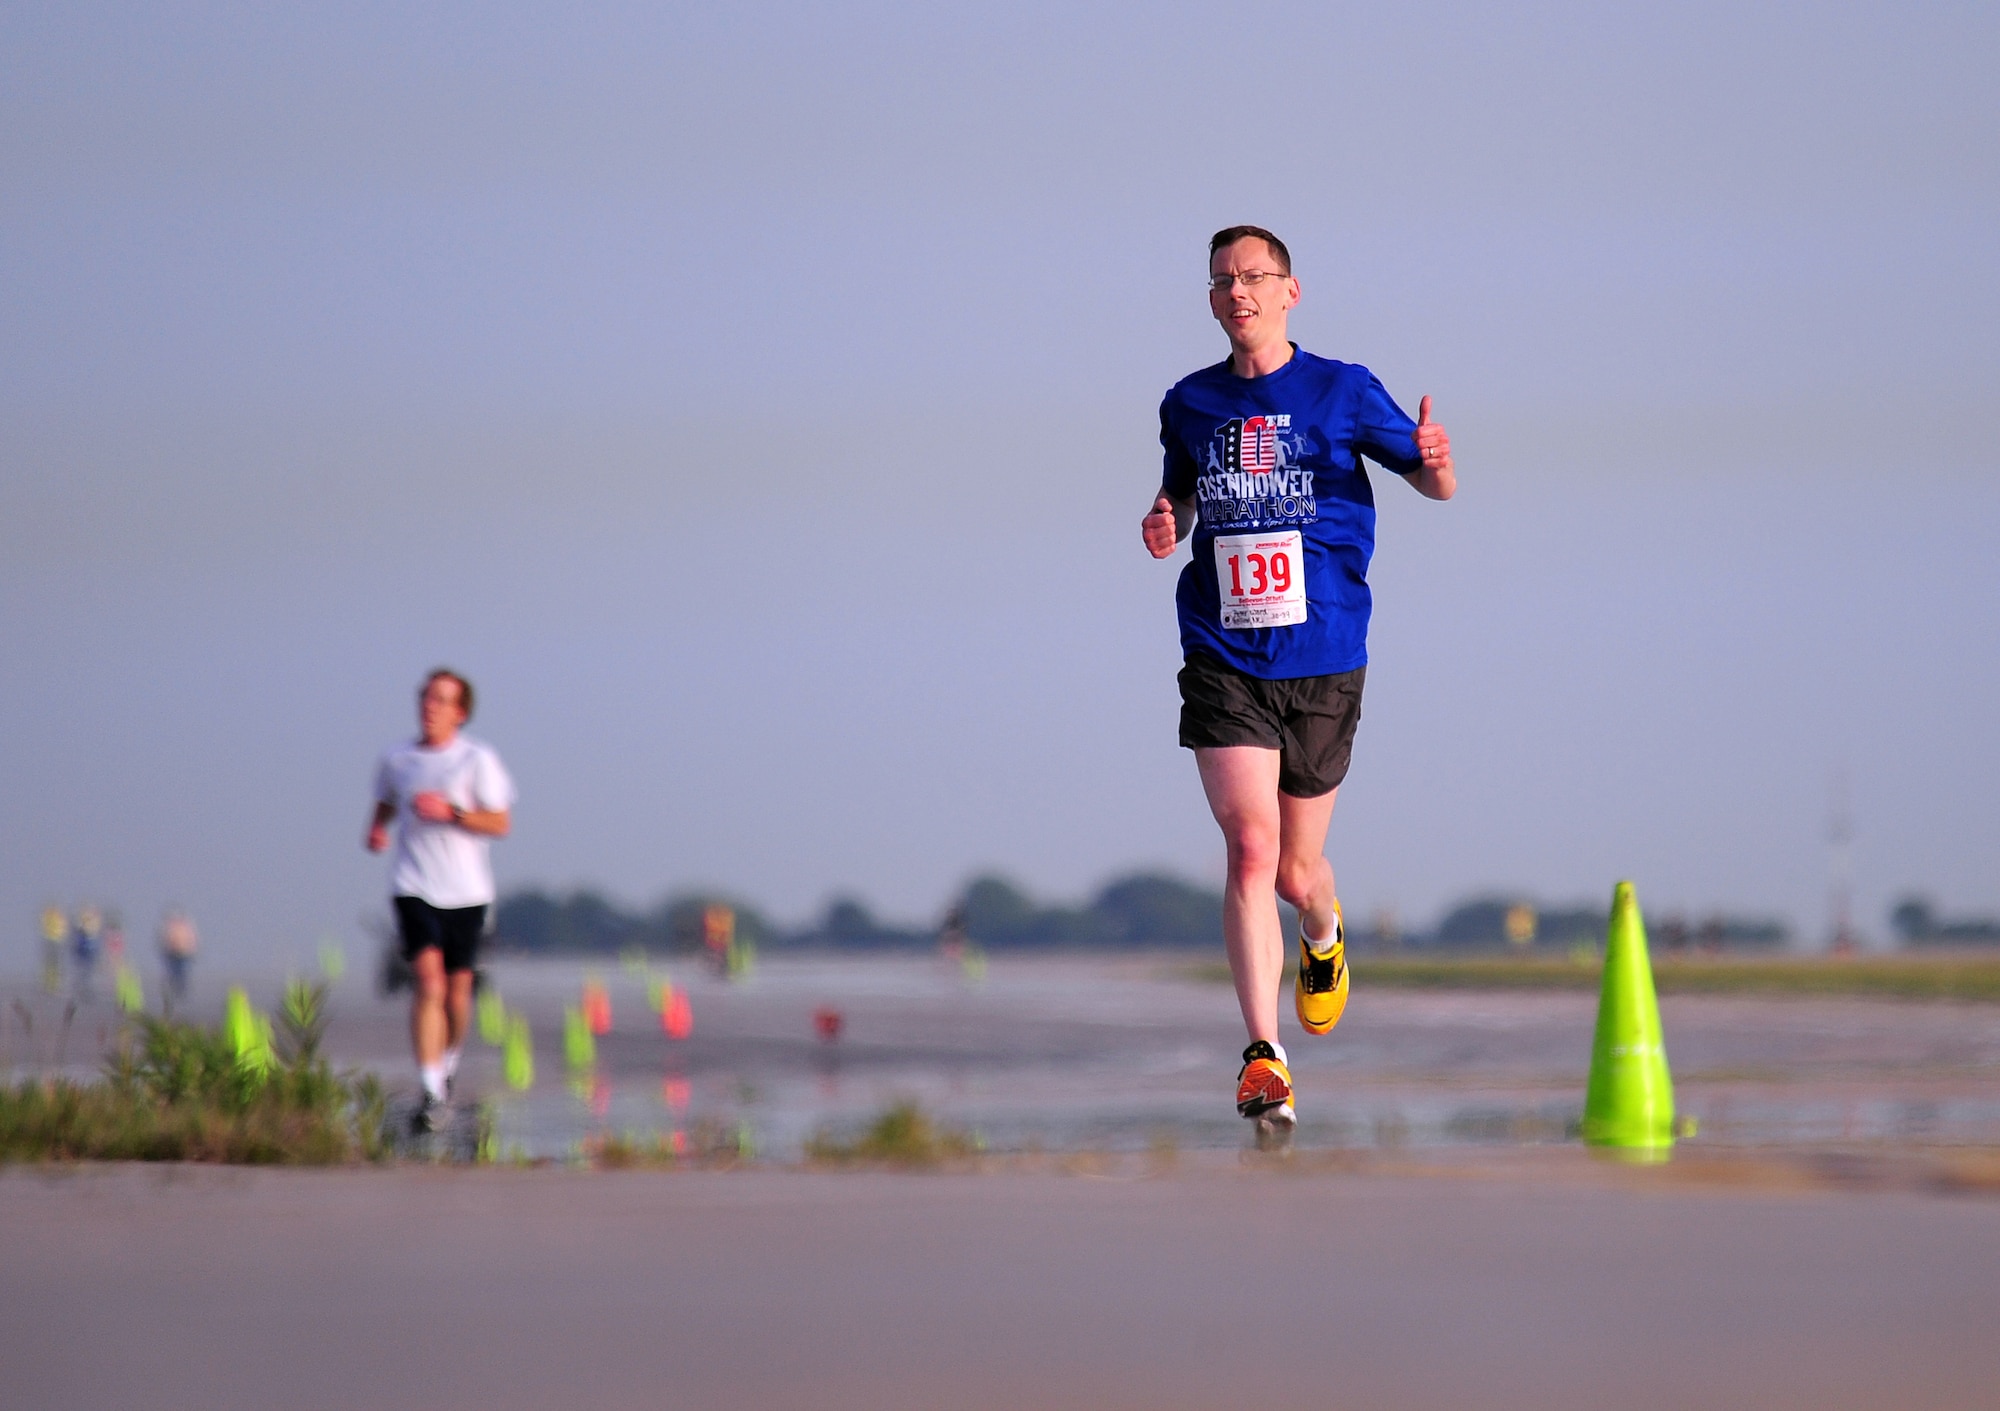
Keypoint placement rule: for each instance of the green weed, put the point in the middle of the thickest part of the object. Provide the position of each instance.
(174, 1091)
(903, 1135)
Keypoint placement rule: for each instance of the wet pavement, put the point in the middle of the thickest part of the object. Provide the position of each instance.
(1131, 1054)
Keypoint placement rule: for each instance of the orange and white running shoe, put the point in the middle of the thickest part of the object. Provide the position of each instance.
(1264, 1087)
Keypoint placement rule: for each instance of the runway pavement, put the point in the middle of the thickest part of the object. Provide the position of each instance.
(1541, 1280)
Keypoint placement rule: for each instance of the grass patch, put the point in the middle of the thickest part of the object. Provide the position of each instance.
(904, 1135)
(706, 1144)
(178, 1092)
(1962, 977)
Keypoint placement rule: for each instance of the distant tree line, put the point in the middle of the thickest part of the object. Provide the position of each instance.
(1916, 923)
(585, 922)
(1146, 911)
(1142, 912)
(1506, 923)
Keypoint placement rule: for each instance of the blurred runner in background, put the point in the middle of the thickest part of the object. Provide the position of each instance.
(1264, 452)
(114, 940)
(448, 794)
(178, 943)
(86, 940)
(55, 932)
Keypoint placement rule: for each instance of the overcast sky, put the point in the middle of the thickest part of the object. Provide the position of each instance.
(759, 406)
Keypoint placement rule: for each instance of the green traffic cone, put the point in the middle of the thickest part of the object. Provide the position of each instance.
(517, 1054)
(579, 1044)
(246, 1034)
(492, 1012)
(1629, 1105)
(236, 1019)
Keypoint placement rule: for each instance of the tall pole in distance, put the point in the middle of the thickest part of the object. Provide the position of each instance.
(1840, 844)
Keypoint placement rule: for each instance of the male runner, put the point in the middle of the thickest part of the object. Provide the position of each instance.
(1265, 447)
(449, 794)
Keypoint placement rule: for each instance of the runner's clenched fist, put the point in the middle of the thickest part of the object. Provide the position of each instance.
(1158, 528)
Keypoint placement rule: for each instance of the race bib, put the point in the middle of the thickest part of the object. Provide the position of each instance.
(1262, 578)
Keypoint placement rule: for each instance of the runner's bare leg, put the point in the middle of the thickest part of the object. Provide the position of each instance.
(1305, 877)
(1272, 839)
(457, 1008)
(427, 1006)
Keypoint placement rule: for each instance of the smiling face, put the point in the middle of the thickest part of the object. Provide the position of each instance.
(1253, 315)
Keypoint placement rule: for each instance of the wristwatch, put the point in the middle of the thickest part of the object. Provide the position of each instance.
(458, 815)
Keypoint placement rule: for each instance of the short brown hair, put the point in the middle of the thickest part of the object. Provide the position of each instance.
(445, 673)
(1222, 239)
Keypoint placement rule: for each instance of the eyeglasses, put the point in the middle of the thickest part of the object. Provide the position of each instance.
(1249, 279)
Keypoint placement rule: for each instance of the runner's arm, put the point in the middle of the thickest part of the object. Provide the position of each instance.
(1434, 482)
(436, 808)
(377, 837)
(494, 822)
(1167, 523)
(1419, 451)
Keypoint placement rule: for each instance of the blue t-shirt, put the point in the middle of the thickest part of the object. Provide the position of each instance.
(1278, 587)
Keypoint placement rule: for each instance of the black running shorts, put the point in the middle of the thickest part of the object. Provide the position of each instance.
(454, 930)
(1309, 720)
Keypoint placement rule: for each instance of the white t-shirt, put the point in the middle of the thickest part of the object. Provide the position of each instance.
(442, 863)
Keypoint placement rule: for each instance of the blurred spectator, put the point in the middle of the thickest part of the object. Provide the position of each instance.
(951, 939)
(114, 940)
(55, 932)
(86, 943)
(178, 943)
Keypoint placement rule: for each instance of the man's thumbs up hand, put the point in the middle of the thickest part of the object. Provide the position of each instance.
(1433, 444)
(1158, 528)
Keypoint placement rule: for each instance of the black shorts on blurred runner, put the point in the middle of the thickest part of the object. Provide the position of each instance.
(1309, 720)
(455, 930)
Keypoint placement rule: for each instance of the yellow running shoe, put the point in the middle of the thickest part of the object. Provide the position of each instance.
(1264, 1087)
(1321, 987)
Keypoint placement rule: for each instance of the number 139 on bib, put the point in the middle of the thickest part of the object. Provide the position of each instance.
(1262, 579)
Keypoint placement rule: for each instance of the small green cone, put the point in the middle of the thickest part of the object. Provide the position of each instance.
(492, 1012)
(131, 994)
(517, 1055)
(1629, 1105)
(247, 1034)
(236, 1019)
(579, 1044)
